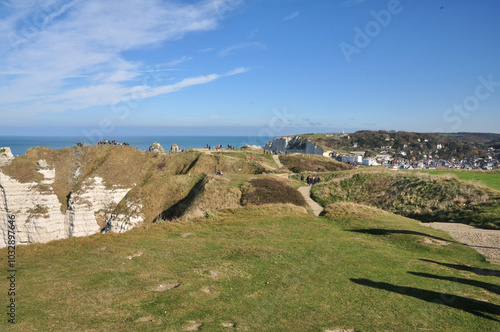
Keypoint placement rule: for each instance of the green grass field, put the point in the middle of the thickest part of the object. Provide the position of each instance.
(487, 178)
(268, 268)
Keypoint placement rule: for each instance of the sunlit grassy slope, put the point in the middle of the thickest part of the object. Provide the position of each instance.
(487, 178)
(421, 196)
(266, 268)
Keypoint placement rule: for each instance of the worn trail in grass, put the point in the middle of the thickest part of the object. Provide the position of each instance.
(271, 268)
(305, 191)
(277, 160)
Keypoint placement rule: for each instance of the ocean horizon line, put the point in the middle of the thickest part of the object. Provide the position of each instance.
(20, 144)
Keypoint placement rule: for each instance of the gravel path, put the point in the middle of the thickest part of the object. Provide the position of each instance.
(305, 191)
(277, 160)
(485, 241)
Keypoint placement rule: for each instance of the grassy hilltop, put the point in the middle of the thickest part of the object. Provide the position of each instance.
(425, 197)
(259, 260)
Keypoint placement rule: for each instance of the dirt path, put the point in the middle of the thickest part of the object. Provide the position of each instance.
(485, 241)
(269, 167)
(305, 191)
(277, 160)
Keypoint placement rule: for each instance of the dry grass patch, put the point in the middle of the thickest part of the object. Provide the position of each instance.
(349, 209)
(211, 196)
(210, 164)
(160, 193)
(299, 163)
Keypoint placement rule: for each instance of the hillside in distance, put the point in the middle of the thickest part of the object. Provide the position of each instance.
(418, 145)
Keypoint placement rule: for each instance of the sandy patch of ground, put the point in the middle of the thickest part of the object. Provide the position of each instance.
(485, 241)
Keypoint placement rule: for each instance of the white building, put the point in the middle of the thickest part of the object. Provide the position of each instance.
(370, 162)
(352, 159)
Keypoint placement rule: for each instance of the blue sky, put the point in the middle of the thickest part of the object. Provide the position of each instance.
(250, 67)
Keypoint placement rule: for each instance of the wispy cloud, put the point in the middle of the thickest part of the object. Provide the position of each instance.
(187, 82)
(253, 33)
(240, 46)
(177, 62)
(291, 16)
(350, 3)
(64, 55)
(206, 50)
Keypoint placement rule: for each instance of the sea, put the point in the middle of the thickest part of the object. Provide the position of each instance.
(20, 144)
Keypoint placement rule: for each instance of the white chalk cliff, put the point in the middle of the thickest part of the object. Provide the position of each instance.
(294, 144)
(38, 212)
(6, 156)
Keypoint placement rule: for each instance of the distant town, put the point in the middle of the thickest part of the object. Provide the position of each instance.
(422, 154)
(399, 150)
(385, 160)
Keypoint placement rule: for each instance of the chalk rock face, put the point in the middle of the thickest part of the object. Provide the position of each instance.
(38, 211)
(174, 148)
(42, 164)
(82, 206)
(156, 148)
(292, 144)
(6, 156)
(120, 223)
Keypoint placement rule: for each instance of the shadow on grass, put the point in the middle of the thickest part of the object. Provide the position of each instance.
(475, 307)
(489, 287)
(179, 208)
(478, 271)
(379, 231)
(484, 247)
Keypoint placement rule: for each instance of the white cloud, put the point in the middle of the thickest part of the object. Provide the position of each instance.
(61, 55)
(239, 46)
(291, 16)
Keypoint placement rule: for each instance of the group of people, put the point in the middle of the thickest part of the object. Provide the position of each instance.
(105, 142)
(311, 180)
(217, 147)
(219, 173)
(109, 142)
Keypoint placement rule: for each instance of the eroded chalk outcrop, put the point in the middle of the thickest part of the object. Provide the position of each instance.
(39, 213)
(294, 144)
(6, 156)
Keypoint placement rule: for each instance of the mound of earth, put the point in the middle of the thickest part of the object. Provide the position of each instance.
(271, 191)
(427, 198)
